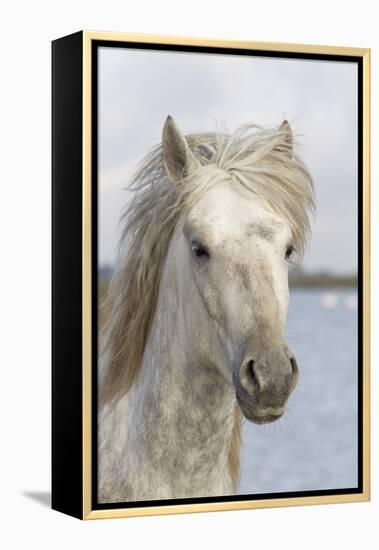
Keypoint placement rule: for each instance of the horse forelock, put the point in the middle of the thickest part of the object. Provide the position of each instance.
(260, 160)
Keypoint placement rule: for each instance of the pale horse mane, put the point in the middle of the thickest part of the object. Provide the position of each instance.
(261, 161)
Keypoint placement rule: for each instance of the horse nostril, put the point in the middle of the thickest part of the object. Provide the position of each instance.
(294, 366)
(251, 373)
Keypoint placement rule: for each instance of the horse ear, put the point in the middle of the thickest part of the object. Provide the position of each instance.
(177, 156)
(288, 139)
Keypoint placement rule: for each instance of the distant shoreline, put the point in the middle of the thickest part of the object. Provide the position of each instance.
(323, 281)
(298, 281)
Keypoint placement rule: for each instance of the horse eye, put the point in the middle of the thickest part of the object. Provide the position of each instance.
(199, 251)
(289, 251)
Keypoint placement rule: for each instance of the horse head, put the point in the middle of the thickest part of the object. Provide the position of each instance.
(237, 233)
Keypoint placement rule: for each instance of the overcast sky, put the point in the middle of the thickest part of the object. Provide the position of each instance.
(138, 89)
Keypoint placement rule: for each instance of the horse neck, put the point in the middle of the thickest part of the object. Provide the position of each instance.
(185, 406)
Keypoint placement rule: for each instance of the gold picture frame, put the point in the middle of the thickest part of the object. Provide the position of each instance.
(81, 473)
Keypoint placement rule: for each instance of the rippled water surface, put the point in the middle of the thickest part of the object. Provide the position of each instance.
(314, 446)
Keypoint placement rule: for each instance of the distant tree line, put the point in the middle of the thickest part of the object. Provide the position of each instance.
(298, 278)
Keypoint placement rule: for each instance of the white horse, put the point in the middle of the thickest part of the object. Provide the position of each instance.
(197, 310)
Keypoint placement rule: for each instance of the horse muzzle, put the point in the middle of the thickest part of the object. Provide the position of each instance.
(264, 383)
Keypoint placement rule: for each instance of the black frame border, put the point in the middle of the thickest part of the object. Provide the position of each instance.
(67, 257)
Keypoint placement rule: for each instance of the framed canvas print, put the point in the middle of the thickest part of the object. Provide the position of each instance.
(210, 275)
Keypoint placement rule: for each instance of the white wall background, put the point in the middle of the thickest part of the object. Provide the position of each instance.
(27, 28)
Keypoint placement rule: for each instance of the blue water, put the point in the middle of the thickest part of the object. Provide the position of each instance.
(314, 445)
